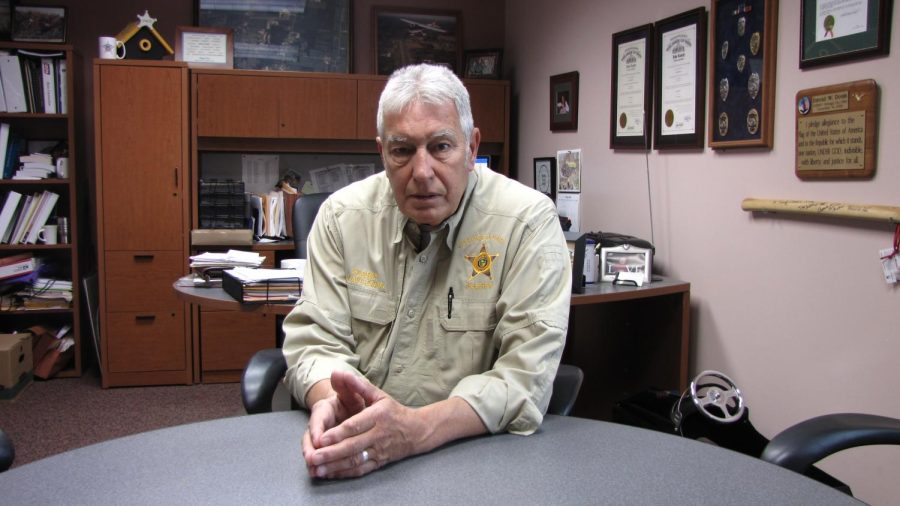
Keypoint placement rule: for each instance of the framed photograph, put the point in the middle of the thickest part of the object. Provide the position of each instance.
(284, 34)
(564, 102)
(545, 176)
(405, 36)
(205, 47)
(483, 63)
(841, 30)
(680, 73)
(742, 73)
(568, 171)
(625, 258)
(31, 23)
(632, 78)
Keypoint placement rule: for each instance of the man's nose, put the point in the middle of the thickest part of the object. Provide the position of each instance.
(422, 164)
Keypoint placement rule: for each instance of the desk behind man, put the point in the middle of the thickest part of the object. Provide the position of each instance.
(436, 296)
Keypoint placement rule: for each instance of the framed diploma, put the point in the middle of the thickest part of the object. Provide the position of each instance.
(841, 30)
(742, 73)
(632, 76)
(205, 47)
(680, 89)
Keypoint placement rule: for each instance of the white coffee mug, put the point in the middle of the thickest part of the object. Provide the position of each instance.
(109, 48)
(62, 167)
(48, 234)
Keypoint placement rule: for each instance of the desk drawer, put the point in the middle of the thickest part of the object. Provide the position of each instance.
(229, 338)
(142, 280)
(143, 342)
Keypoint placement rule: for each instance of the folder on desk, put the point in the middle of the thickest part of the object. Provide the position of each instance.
(263, 285)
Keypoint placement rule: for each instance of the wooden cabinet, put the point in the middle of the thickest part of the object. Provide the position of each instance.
(141, 133)
(60, 261)
(229, 339)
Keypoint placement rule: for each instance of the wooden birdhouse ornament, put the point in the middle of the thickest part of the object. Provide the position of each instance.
(142, 41)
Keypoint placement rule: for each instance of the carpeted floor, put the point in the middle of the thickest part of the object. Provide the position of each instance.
(50, 417)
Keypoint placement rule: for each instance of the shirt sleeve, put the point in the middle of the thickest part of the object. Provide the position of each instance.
(533, 314)
(317, 332)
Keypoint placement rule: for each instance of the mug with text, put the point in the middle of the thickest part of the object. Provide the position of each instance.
(109, 48)
(49, 234)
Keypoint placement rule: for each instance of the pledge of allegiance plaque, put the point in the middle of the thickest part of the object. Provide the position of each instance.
(836, 130)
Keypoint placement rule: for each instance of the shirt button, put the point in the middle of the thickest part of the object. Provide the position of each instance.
(410, 313)
(423, 259)
(399, 369)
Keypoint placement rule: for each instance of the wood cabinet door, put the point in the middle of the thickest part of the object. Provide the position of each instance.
(318, 108)
(142, 280)
(230, 338)
(237, 106)
(367, 95)
(146, 341)
(142, 157)
(489, 110)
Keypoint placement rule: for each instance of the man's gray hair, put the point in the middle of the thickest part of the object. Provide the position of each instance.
(425, 84)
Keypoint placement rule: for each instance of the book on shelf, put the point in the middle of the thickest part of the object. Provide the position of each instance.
(30, 216)
(14, 266)
(46, 204)
(34, 81)
(13, 85)
(8, 212)
(14, 148)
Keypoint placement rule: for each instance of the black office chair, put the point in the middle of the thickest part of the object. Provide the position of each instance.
(7, 451)
(302, 216)
(266, 368)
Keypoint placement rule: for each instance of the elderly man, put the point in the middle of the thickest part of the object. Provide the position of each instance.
(436, 296)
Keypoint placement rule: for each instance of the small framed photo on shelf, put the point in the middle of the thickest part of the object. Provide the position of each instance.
(564, 102)
(625, 258)
(5, 19)
(843, 30)
(205, 47)
(32, 23)
(483, 64)
(545, 176)
(407, 35)
(742, 73)
(680, 90)
(632, 94)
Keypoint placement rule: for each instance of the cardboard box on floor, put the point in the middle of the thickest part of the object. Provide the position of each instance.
(15, 359)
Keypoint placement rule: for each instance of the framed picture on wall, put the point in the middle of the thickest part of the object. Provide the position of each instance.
(680, 89)
(632, 77)
(564, 102)
(545, 176)
(284, 35)
(406, 35)
(33, 23)
(742, 73)
(842, 30)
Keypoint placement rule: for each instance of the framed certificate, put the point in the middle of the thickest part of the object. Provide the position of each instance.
(679, 107)
(841, 30)
(742, 73)
(204, 46)
(632, 75)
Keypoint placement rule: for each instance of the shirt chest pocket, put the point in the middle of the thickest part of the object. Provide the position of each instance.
(467, 329)
(372, 314)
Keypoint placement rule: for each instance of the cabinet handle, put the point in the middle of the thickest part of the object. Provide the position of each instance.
(146, 257)
(145, 317)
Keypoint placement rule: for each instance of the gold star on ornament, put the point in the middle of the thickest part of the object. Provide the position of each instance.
(482, 262)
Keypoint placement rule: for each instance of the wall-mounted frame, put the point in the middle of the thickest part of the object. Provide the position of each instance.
(34, 23)
(680, 81)
(483, 63)
(278, 35)
(632, 92)
(545, 176)
(564, 102)
(834, 31)
(742, 73)
(205, 47)
(407, 35)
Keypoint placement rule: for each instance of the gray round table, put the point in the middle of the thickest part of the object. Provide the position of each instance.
(256, 460)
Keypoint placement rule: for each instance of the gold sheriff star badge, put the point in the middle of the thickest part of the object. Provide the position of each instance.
(482, 262)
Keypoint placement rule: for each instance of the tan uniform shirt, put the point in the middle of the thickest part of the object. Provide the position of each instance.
(371, 303)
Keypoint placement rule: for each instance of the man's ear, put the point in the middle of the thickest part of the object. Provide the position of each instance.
(474, 142)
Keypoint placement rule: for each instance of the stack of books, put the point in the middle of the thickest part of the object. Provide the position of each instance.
(38, 161)
(35, 166)
(47, 293)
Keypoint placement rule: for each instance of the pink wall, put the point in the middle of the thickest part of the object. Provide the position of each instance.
(794, 310)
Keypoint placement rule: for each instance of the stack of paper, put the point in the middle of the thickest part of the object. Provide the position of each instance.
(263, 285)
(207, 267)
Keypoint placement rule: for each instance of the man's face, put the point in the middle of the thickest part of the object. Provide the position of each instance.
(427, 160)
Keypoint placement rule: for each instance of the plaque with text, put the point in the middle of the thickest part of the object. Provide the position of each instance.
(836, 131)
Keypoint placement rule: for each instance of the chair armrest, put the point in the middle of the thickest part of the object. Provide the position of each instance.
(261, 378)
(7, 451)
(566, 385)
(800, 446)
